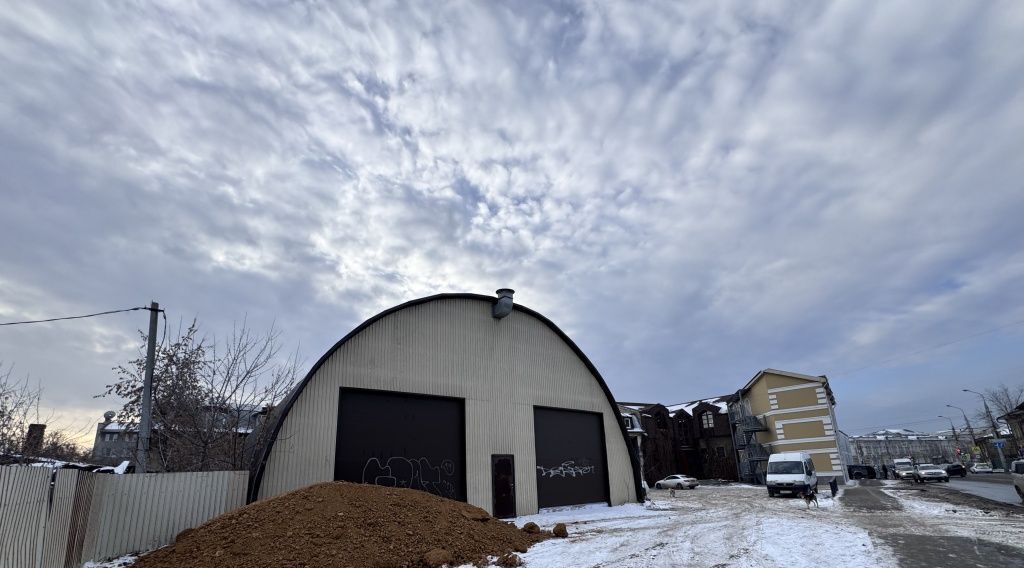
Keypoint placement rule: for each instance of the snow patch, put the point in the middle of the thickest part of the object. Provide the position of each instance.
(933, 509)
(122, 562)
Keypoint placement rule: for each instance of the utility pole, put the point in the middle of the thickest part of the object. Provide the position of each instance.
(955, 435)
(146, 423)
(952, 427)
(974, 439)
(995, 430)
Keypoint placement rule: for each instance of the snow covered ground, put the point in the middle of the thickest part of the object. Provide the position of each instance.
(711, 527)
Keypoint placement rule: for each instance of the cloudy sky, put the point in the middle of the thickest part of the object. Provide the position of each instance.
(693, 192)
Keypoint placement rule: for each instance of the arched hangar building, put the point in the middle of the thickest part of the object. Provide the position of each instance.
(466, 396)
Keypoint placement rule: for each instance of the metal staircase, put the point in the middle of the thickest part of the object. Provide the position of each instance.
(751, 452)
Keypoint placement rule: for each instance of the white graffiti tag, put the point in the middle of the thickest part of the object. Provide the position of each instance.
(566, 469)
(414, 473)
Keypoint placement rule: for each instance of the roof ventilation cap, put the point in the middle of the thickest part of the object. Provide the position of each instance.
(503, 306)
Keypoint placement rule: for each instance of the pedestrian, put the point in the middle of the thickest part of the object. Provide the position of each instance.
(885, 471)
(834, 486)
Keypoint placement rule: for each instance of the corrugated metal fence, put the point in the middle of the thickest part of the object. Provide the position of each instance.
(63, 520)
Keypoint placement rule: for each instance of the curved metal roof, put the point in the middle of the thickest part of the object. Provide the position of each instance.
(259, 465)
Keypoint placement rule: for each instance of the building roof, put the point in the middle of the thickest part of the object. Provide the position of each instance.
(900, 434)
(822, 379)
(1018, 411)
(640, 406)
(722, 402)
(117, 427)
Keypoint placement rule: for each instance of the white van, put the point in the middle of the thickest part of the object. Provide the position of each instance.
(791, 472)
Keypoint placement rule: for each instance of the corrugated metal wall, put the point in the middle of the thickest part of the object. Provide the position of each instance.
(143, 512)
(452, 347)
(24, 493)
(96, 516)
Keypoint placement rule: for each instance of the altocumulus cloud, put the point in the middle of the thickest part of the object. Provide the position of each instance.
(693, 191)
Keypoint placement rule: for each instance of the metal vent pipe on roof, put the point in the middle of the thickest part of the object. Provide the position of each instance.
(503, 306)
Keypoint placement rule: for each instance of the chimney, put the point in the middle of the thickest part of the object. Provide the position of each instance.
(34, 439)
(503, 306)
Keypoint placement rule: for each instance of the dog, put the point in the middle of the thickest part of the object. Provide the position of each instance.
(671, 492)
(810, 498)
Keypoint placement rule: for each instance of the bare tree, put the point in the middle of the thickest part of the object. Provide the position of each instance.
(209, 397)
(1003, 399)
(18, 401)
(59, 446)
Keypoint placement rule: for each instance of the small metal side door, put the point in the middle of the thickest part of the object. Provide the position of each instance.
(503, 483)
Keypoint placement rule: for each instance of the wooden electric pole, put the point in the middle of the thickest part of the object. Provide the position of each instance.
(146, 423)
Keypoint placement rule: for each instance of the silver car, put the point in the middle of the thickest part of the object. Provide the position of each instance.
(676, 482)
(925, 472)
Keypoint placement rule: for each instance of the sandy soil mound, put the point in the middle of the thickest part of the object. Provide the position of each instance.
(344, 524)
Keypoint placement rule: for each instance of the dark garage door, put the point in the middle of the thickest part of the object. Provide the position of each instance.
(571, 464)
(402, 440)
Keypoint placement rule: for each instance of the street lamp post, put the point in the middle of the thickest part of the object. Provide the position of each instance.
(974, 439)
(995, 429)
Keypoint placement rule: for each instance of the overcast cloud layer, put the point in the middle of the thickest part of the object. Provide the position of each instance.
(693, 192)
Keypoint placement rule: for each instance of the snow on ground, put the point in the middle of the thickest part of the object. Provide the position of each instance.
(122, 562)
(918, 506)
(946, 518)
(710, 526)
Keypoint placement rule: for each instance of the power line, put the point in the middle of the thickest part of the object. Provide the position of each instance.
(74, 317)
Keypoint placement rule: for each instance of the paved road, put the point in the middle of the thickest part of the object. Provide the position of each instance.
(914, 549)
(997, 487)
(987, 477)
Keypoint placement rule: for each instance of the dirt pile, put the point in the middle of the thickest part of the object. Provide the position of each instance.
(344, 524)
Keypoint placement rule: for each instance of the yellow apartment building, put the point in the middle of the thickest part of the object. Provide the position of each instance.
(781, 411)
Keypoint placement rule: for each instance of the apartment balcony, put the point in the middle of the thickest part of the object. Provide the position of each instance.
(752, 424)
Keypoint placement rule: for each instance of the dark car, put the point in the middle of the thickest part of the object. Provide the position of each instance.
(861, 472)
(956, 469)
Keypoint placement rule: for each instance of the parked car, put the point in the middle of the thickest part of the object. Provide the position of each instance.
(676, 482)
(956, 469)
(861, 472)
(1017, 473)
(925, 472)
(981, 468)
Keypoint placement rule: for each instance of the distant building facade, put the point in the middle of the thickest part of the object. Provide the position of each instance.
(1015, 421)
(658, 442)
(882, 447)
(631, 420)
(114, 442)
(704, 442)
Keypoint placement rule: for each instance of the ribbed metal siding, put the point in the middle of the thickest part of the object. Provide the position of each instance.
(23, 503)
(452, 347)
(146, 511)
(96, 516)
